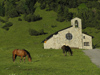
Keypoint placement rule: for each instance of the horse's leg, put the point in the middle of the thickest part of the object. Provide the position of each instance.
(71, 53)
(14, 57)
(64, 52)
(24, 59)
(21, 58)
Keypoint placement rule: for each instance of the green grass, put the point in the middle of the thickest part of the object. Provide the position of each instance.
(47, 62)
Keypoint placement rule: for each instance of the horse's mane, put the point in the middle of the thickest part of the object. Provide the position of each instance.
(27, 53)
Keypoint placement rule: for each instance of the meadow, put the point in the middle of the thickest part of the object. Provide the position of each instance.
(48, 62)
(44, 62)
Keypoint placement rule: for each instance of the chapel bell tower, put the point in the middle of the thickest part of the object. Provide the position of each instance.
(77, 24)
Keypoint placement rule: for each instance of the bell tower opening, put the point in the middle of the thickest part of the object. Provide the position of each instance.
(76, 24)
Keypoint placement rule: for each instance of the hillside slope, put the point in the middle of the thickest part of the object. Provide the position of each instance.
(18, 35)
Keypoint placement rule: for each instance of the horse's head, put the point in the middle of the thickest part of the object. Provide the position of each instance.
(29, 59)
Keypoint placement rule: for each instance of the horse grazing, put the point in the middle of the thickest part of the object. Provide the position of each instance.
(66, 49)
(22, 53)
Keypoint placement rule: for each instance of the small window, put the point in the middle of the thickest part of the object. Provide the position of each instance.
(86, 43)
(83, 37)
(69, 36)
(76, 23)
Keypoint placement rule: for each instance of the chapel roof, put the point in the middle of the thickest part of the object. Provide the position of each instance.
(54, 34)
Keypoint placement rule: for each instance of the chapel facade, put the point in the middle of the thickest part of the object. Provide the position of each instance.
(71, 36)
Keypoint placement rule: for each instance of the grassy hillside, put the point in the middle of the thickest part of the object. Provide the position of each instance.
(18, 34)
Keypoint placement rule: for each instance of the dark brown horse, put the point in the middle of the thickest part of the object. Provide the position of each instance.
(66, 49)
(22, 53)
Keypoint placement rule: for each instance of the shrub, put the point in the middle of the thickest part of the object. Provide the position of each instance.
(43, 6)
(53, 26)
(26, 18)
(2, 9)
(32, 17)
(7, 25)
(41, 32)
(33, 32)
(19, 19)
(60, 18)
(1, 20)
(36, 17)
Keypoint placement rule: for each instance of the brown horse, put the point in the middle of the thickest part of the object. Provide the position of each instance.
(66, 49)
(22, 53)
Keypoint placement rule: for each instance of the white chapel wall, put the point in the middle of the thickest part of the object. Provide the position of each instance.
(77, 41)
(87, 39)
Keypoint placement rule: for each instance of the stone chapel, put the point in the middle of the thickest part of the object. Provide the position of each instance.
(71, 36)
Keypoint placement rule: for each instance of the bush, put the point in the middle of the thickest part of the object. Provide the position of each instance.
(53, 26)
(19, 19)
(7, 25)
(33, 32)
(1, 20)
(11, 13)
(43, 6)
(41, 32)
(96, 45)
(60, 18)
(2, 10)
(32, 17)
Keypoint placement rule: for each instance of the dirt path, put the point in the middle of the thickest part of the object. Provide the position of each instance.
(94, 55)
